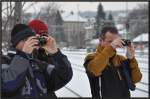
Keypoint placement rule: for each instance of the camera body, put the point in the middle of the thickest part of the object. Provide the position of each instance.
(127, 42)
(42, 41)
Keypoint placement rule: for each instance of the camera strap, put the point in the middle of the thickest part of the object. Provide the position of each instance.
(32, 78)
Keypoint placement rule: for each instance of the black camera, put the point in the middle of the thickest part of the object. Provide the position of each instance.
(42, 41)
(127, 42)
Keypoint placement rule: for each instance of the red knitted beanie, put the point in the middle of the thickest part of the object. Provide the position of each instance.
(38, 26)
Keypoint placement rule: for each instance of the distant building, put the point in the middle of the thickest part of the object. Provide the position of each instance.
(141, 40)
(90, 31)
(74, 29)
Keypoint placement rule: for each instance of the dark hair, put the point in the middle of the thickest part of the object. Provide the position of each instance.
(108, 29)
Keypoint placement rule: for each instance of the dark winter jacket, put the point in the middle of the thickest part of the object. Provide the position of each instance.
(34, 75)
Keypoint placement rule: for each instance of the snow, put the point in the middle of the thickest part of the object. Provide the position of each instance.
(94, 41)
(120, 26)
(64, 92)
(123, 32)
(79, 84)
(75, 17)
(89, 27)
(143, 37)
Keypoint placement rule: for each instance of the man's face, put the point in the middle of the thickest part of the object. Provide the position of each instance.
(44, 34)
(109, 37)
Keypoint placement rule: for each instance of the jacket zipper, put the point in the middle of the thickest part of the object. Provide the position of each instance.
(119, 75)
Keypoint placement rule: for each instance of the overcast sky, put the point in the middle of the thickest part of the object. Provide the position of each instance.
(87, 6)
(82, 6)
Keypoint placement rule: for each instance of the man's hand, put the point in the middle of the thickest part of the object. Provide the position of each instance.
(130, 51)
(30, 45)
(50, 46)
(117, 43)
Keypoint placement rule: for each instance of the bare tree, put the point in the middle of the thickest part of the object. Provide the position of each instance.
(138, 20)
(18, 12)
(11, 15)
(7, 20)
(48, 14)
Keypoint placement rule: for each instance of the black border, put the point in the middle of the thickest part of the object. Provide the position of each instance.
(74, 0)
(67, 1)
(0, 41)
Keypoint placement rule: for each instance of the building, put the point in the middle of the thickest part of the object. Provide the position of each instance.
(141, 40)
(90, 31)
(74, 29)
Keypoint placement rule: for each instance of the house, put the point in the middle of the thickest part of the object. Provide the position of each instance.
(141, 40)
(74, 29)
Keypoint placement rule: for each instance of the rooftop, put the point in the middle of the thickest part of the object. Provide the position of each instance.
(73, 17)
(143, 37)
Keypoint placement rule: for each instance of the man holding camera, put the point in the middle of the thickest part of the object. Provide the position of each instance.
(110, 74)
(28, 72)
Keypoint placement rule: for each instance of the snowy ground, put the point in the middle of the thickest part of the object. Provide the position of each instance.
(79, 85)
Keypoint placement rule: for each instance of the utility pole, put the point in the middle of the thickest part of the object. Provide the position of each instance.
(127, 22)
(18, 13)
(78, 31)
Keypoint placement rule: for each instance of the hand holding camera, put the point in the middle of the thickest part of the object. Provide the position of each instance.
(117, 43)
(120, 43)
(29, 45)
(34, 42)
(49, 44)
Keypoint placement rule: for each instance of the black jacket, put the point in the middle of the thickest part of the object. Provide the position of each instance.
(52, 72)
(111, 85)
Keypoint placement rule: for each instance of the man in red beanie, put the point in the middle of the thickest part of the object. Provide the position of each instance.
(51, 54)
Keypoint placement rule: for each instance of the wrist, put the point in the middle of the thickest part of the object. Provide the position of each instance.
(114, 47)
(129, 56)
(57, 54)
(23, 50)
(51, 52)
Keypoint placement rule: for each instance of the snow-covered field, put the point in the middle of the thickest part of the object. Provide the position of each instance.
(79, 85)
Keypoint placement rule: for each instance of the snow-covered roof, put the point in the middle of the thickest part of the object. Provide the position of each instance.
(119, 26)
(89, 27)
(123, 31)
(143, 37)
(122, 14)
(75, 17)
(94, 41)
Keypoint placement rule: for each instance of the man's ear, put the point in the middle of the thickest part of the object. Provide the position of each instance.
(101, 40)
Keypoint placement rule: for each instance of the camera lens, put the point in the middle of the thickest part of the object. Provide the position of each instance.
(127, 42)
(42, 41)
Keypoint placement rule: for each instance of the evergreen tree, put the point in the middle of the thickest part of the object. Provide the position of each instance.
(100, 18)
(110, 20)
(59, 33)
